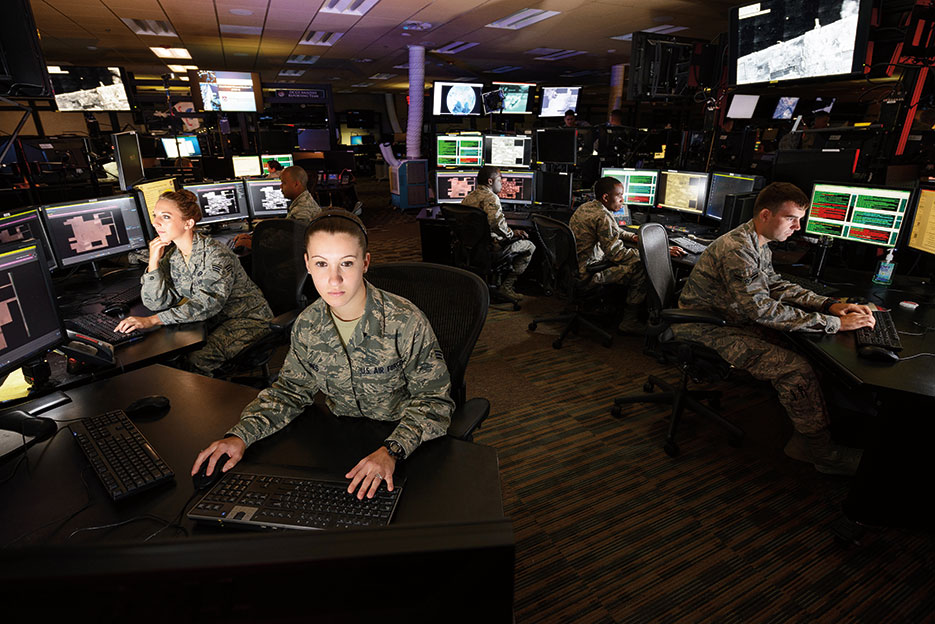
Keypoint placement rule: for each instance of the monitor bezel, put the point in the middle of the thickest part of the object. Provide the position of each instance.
(124, 184)
(562, 114)
(910, 204)
(921, 188)
(437, 87)
(452, 173)
(264, 214)
(480, 159)
(51, 260)
(245, 156)
(520, 202)
(648, 206)
(242, 216)
(571, 188)
(698, 213)
(527, 150)
(711, 174)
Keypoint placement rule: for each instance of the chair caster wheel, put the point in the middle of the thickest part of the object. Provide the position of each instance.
(533, 326)
(671, 449)
(616, 412)
(557, 344)
(735, 441)
(648, 387)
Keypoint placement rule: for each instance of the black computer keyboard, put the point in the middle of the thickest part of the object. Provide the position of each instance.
(516, 215)
(124, 297)
(883, 334)
(254, 500)
(812, 285)
(100, 326)
(689, 245)
(122, 458)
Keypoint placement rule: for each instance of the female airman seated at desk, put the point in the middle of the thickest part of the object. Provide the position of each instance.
(193, 278)
(373, 354)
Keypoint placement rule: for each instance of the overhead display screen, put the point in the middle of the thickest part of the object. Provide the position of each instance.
(226, 91)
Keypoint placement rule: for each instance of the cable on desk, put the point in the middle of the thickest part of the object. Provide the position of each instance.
(61, 521)
(122, 523)
(178, 519)
(912, 357)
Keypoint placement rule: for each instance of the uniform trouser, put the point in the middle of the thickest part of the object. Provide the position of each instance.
(522, 261)
(629, 274)
(225, 341)
(764, 354)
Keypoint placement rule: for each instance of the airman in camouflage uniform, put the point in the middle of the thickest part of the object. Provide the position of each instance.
(211, 287)
(303, 208)
(484, 196)
(392, 369)
(735, 278)
(294, 183)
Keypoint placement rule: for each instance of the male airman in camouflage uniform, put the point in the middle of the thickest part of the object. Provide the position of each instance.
(484, 196)
(392, 369)
(735, 278)
(303, 206)
(211, 287)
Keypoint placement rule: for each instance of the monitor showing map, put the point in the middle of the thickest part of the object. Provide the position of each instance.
(265, 199)
(22, 224)
(221, 201)
(92, 229)
(453, 186)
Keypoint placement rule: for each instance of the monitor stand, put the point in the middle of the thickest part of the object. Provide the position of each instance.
(824, 242)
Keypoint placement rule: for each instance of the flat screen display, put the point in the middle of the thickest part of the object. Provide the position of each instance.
(776, 40)
(639, 185)
(722, 185)
(507, 151)
(245, 166)
(742, 106)
(857, 213)
(183, 146)
(553, 188)
(517, 97)
(129, 160)
(557, 100)
(226, 91)
(785, 107)
(517, 187)
(283, 159)
(557, 145)
(221, 201)
(684, 191)
(150, 192)
(94, 229)
(265, 199)
(453, 186)
(457, 98)
(89, 88)
(23, 224)
(922, 234)
(454, 150)
(314, 139)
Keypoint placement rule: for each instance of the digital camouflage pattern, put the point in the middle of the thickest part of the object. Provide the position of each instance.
(392, 369)
(213, 288)
(484, 198)
(735, 278)
(303, 208)
(599, 238)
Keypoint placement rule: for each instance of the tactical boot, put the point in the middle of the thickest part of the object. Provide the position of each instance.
(630, 324)
(507, 287)
(828, 457)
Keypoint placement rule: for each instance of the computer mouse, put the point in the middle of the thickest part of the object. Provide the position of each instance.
(202, 480)
(878, 354)
(117, 310)
(153, 406)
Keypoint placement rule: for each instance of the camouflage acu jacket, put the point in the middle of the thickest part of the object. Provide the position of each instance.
(303, 208)
(735, 277)
(485, 199)
(597, 237)
(391, 370)
(214, 286)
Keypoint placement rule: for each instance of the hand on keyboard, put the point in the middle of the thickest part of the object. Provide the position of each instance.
(370, 472)
(840, 309)
(131, 323)
(856, 320)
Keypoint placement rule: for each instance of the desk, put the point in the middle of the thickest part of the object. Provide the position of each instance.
(452, 486)
(895, 464)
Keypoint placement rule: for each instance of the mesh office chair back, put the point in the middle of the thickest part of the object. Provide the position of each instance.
(654, 251)
(454, 301)
(473, 248)
(278, 262)
(558, 247)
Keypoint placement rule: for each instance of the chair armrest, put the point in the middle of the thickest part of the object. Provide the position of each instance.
(284, 321)
(467, 418)
(674, 316)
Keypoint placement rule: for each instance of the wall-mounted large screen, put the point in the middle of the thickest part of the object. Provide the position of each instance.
(456, 98)
(557, 100)
(777, 40)
(89, 88)
(517, 97)
(226, 91)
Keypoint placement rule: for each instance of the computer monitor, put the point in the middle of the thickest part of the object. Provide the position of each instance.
(265, 199)
(226, 91)
(183, 146)
(453, 186)
(922, 234)
(778, 40)
(639, 185)
(553, 188)
(29, 320)
(456, 98)
(517, 97)
(148, 194)
(742, 106)
(314, 139)
(723, 184)
(557, 145)
(92, 229)
(803, 167)
(456, 150)
(684, 191)
(245, 166)
(854, 212)
(507, 151)
(517, 187)
(89, 88)
(283, 159)
(557, 100)
(785, 107)
(221, 201)
(357, 139)
(23, 224)
(129, 160)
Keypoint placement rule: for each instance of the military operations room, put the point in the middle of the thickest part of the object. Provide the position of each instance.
(483, 311)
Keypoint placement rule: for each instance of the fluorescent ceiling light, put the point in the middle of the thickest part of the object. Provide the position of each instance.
(233, 29)
(242, 12)
(347, 7)
(303, 59)
(179, 53)
(522, 19)
(181, 69)
(55, 69)
(502, 70)
(292, 72)
(320, 38)
(383, 76)
(560, 55)
(153, 28)
(455, 47)
(362, 84)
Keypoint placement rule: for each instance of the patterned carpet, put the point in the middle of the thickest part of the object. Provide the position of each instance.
(610, 529)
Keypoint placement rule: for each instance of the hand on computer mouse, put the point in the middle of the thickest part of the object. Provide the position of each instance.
(370, 472)
(676, 252)
(231, 446)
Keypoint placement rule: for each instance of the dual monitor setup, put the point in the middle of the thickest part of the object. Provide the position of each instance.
(519, 188)
(516, 98)
(472, 149)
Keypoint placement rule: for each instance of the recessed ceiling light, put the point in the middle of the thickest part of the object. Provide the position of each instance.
(292, 72)
(153, 28)
(234, 29)
(242, 12)
(303, 59)
(162, 52)
(92, 47)
(455, 47)
(362, 84)
(383, 76)
(320, 37)
(348, 7)
(522, 19)
(181, 69)
(417, 26)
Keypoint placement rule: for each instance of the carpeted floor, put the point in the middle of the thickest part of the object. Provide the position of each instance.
(610, 529)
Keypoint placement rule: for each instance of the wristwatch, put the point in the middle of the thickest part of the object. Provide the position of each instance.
(395, 449)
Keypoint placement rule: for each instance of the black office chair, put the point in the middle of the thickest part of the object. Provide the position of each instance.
(455, 302)
(585, 299)
(697, 362)
(473, 248)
